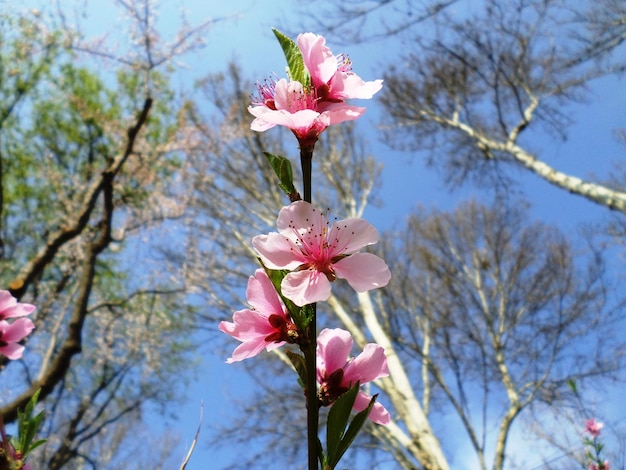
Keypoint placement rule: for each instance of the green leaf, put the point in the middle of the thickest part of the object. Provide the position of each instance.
(282, 168)
(572, 385)
(27, 427)
(320, 454)
(348, 438)
(307, 312)
(298, 362)
(295, 62)
(338, 417)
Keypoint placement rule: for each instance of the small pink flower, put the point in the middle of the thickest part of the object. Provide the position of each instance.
(292, 105)
(10, 308)
(332, 76)
(337, 371)
(11, 334)
(318, 254)
(603, 466)
(266, 326)
(593, 427)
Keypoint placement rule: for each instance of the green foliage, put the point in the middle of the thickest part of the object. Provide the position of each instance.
(299, 364)
(27, 427)
(27, 52)
(338, 438)
(63, 122)
(295, 62)
(282, 168)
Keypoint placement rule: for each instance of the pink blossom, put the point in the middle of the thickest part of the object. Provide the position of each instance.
(11, 334)
(337, 372)
(10, 308)
(318, 254)
(603, 466)
(332, 76)
(593, 427)
(266, 325)
(296, 107)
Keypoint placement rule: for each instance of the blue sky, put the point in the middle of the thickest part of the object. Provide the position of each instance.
(406, 182)
(245, 36)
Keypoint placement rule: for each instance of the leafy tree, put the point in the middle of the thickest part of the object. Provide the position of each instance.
(88, 171)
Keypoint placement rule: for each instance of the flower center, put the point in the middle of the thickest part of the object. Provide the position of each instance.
(300, 99)
(331, 388)
(285, 330)
(321, 246)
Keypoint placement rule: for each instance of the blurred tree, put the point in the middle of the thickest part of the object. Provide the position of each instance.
(484, 317)
(89, 162)
(496, 315)
(477, 86)
(479, 91)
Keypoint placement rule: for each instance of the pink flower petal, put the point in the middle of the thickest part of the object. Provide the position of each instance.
(292, 97)
(277, 252)
(12, 350)
(352, 235)
(318, 58)
(363, 271)
(260, 124)
(339, 112)
(370, 365)
(10, 308)
(306, 287)
(302, 119)
(16, 331)
(333, 348)
(6, 300)
(247, 325)
(351, 86)
(262, 296)
(246, 350)
(251, 329)
(378, 413)
(297, 219)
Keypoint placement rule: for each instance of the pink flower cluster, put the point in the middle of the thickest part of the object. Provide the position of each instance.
(313, 251)
(593, 428)
(12, 333)
(309, 108)
(316, 253)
